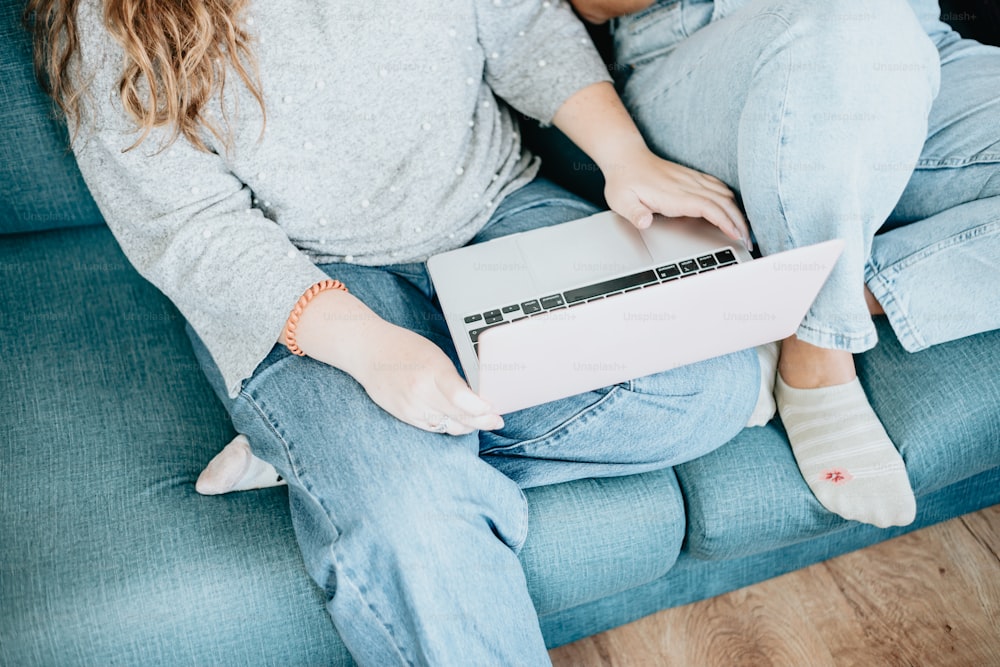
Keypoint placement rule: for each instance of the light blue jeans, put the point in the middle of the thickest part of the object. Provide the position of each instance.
(414, 536)
(866, 120)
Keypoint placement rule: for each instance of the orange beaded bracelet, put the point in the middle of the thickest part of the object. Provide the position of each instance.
(300, 305)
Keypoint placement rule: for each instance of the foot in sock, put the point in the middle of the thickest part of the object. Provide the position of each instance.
(235, 468)
(844, 453)
(767, 357)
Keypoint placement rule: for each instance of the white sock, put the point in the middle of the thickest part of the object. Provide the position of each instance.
(235, 468)
(845, 455)
(767, 356)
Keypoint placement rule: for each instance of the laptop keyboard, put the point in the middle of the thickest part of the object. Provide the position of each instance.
(477, 323)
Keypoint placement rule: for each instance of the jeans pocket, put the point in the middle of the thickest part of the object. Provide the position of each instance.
(652, 16)
(654, 32)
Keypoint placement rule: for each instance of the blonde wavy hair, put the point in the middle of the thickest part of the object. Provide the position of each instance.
(178, 51)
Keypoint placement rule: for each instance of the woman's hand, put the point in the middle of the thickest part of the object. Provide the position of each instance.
(413, 380)
(407, 375)
(638, 183)
(643, 184)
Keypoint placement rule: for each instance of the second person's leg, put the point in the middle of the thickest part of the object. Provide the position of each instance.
(936, 269)
(812, 112)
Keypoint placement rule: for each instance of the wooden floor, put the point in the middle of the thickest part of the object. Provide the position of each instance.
(930, 598)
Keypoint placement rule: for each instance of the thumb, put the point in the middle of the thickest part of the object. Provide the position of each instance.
(473, 411)
(640, 215)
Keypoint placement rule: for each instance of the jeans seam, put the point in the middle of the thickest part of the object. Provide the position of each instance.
(664, 85)
(881, 287)
(914, 258)
(782, 208)
(882, 279)
(344, 572)
(292, 465)
(523, 537)
(948, 163)
(863, 339)
(555, 430)
(644, 25)
(256, 407)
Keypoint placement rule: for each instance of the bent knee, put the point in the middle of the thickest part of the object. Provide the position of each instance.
(885, 29)
(863, 40)
(706, 403)
(733, 374)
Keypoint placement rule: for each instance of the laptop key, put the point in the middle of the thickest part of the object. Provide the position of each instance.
(613, 285)
(707, 261)
(513, 308)
(473, 318)
(529, 307)
(550, 302)
(493, 316)
(725, 256)
(475, 333)
(668, 272)
(689, 266)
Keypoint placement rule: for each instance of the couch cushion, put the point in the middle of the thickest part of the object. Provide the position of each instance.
(590, 537)
(939, 407)
(40, 185)
(107, 554)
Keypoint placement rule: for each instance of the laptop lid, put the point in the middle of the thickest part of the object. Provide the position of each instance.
(568, 357)
(566, 352)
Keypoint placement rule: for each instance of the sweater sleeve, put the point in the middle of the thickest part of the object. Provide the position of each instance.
(538, 54)
(187, 225)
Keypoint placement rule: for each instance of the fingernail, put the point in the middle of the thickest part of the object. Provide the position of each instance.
(748, 243)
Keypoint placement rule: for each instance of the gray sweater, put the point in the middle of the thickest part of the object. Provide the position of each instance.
(385, 142)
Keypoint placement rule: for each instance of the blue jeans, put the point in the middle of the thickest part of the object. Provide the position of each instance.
(873, 122)
(414, 536)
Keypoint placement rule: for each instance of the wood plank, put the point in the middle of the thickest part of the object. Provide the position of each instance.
(831, 614)
(912, 608)
(928, 598)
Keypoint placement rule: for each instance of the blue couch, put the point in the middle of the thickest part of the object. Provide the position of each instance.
(106, 421)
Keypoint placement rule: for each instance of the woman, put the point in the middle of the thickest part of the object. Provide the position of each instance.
(249, 157)
(826, 118)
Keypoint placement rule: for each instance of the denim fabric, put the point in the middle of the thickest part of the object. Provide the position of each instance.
(108, 556)
(921, 399)
(826, 119)
(40, 185)
(947, 221)
(413, 536)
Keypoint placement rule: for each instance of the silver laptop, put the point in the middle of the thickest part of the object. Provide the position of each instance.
(561, 310)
